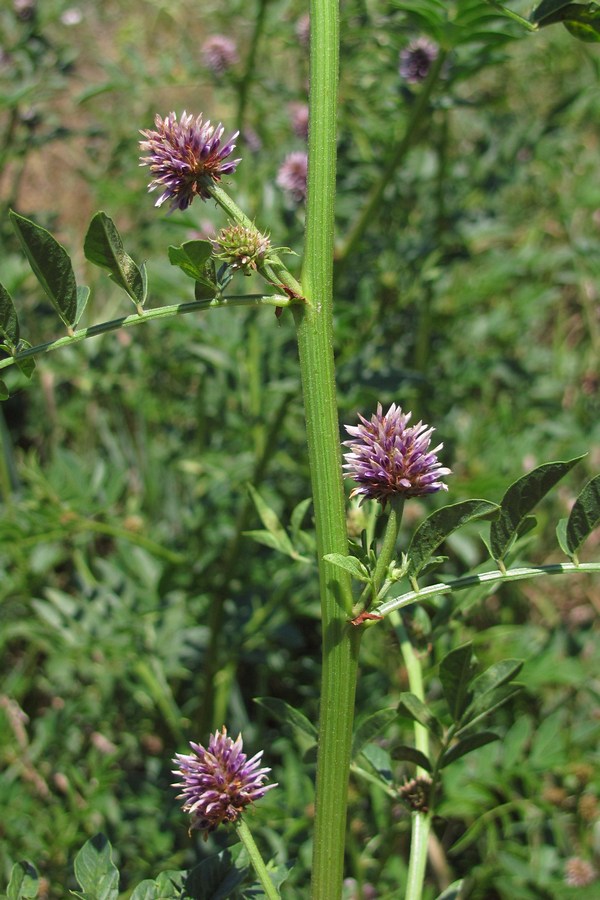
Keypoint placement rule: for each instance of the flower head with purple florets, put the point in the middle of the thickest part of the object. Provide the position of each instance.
(186, 157)
(293, 174)
(219, 782)
(417, 59)
(388, 458)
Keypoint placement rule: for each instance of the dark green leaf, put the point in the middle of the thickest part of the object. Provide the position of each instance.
(369, 727)
(51, 266)
(494, 677)
(288, 715)
(26, 366)
(23, 882)
(192, 258)
(217, 877)
(379, 759)
(585, 516)
(485, 704)
(411, 754)
(547, 10)
(103, 247)
(9, 323)
(350, 564)
(455, 673)
(439, 525)
(412, 708)
(520, 499)
(4, 394)
(467, 745)
(95, 871)
(584, 23)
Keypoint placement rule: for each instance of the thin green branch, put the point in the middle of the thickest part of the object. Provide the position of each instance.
(161, 312)
(530, 26)
(467, 581)
(256, 859)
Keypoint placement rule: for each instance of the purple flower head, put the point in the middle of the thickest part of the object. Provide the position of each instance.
(219, 53)
(219, 782)
(388, 458)
(292, 175)
(185, 158)
(302, 29)
(417, 59)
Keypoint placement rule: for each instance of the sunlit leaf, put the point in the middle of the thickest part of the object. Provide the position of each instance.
(95, 871)
(350, 564)
(24, 882)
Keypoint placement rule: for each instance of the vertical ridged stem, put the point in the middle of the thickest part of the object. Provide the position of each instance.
(314, 325)
(421, 821)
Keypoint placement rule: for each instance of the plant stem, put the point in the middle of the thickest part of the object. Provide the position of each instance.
(314, 324)
(161, 312)
(460, 584)
(421, 821)
(256, 859)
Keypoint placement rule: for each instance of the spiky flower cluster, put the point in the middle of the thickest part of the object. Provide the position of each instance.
(242, 248)
(185, 158)
(416, 60)
(219, 782)
(388, 458)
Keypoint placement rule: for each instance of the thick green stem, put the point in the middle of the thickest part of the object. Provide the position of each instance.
(314, 323)
(256, 859)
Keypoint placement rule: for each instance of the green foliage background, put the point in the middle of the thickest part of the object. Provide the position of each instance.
(472, 299)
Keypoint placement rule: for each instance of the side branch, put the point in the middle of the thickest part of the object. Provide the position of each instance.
(468, 581)
(161, 312)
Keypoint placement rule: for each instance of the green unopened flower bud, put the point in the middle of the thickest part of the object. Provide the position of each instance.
(242, 248)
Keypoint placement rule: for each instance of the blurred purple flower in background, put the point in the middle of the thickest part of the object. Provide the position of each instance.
(388, 458)
(292, 175)
(416, 60)
(299, 119)
(219, 53)
(219, 782)
(185, 157)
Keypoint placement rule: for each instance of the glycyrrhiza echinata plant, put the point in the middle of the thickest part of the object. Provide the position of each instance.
(366, 581)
